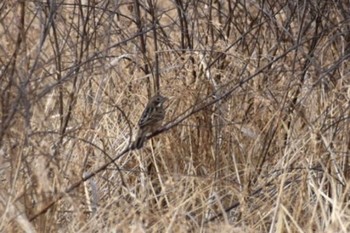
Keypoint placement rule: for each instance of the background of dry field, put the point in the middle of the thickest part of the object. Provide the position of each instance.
(256, 136)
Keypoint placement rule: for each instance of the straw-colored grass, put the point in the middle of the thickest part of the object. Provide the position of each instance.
(256, 135)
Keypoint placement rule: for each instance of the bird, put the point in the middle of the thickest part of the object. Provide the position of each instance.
(150, 119)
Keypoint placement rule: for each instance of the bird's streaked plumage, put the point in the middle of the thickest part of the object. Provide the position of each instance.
(150, 119)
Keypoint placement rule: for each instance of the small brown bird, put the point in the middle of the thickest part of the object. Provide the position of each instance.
(150, 120)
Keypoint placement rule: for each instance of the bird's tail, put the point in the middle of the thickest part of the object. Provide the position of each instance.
(140, 139)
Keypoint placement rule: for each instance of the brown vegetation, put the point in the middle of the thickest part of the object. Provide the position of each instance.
(256, 135)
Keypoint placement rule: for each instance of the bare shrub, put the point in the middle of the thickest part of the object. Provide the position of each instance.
(256, 136)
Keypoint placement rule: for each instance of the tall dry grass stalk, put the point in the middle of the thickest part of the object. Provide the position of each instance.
(256, 136)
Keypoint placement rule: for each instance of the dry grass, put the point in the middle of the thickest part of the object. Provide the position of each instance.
(256, 137)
